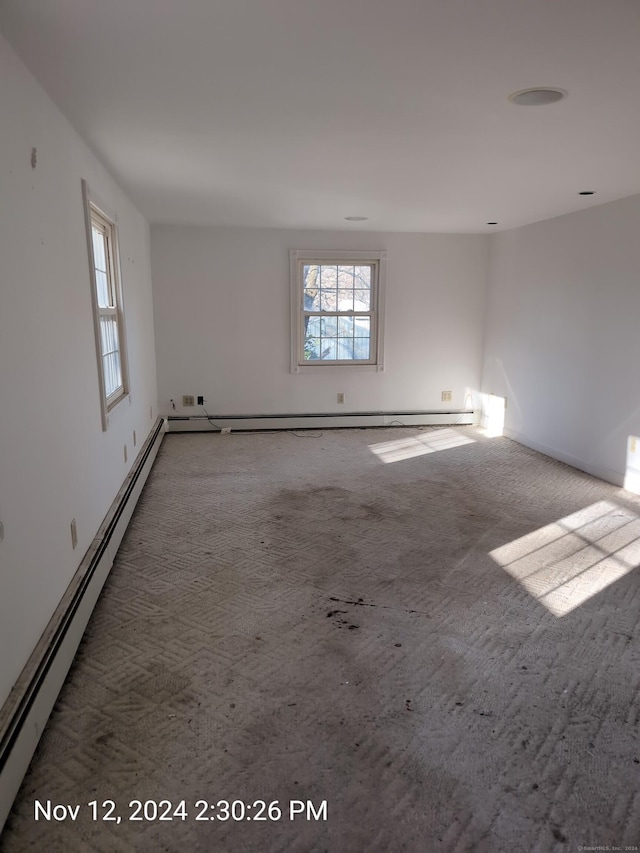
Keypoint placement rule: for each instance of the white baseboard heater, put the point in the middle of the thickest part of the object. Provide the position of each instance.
(334, 420)
(27, 709)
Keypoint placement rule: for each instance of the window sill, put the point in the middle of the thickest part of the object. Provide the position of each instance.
(115, 401)
(321, 368)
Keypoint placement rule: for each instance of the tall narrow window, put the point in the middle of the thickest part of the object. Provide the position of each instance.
(107, 306)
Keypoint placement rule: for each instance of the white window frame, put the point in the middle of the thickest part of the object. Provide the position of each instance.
(298, 259)
(97, 212)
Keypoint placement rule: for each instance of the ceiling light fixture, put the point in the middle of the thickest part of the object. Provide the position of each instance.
(587, 192)
(538, 96)
(356, 218)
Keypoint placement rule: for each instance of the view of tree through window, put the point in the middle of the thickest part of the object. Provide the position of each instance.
(337, 312)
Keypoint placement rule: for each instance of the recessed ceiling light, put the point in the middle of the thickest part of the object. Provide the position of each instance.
(537, 96)
(356, 218)
(587, 192)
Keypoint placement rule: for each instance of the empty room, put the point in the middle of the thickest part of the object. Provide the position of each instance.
(320, 421)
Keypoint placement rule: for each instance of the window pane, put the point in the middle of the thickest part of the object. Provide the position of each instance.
(345, 349)
(102, 287)
(345, 277)
(108, 335)
(110, 355)
(99, 255)
(328, 277)
(329, 327)
(112, 373)
(361, 348)
(362, 277)
(362, 300)
(311, 287)
(328, 349)
(361, 340)
(345, 300)
(312, 327)
(311, 349)
(328, 299)
(345, 327)
(312, 300)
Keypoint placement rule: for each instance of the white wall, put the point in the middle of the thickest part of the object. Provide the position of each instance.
(562, 340)
(221, 301)
(55, 462)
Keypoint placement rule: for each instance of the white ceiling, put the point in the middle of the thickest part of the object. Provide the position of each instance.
(297, 113)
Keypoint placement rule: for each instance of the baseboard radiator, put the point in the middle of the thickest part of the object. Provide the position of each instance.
(334, 420)
(27, 709)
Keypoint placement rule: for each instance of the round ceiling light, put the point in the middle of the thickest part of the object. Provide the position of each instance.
(538, 96)
(356, 218)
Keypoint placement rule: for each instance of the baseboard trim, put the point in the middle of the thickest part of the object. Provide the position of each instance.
(609, 475)
(334, 420)
(27, 709)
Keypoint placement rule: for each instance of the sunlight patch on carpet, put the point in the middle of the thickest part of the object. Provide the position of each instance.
(419, 445)
(564, 564)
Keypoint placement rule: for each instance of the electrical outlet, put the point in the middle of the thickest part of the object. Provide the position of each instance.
(74, 533)
(340, 397)
(188, 400)
(446, 396)
(200, 400)
(225, 431)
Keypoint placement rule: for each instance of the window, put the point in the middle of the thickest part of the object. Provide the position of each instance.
(336, 309)
(107, 305)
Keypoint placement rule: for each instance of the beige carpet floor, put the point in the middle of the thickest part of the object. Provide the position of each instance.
(411, 639)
